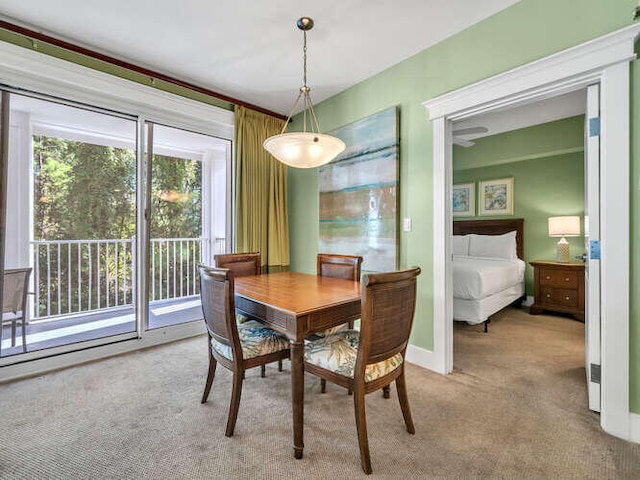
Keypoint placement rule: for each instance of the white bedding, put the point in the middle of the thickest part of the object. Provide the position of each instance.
(478, 277)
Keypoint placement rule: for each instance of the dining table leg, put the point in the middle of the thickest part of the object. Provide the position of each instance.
(297, 396)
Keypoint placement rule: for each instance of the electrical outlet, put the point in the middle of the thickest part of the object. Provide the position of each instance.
(406, 224)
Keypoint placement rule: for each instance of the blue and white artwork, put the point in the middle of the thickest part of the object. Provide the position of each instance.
(359, 193)
(496, 197)
(463, 200)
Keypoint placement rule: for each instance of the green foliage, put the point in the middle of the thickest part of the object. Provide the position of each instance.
(176, 195)
(84, 191)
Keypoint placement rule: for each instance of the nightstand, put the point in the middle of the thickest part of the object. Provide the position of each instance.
(559, 287)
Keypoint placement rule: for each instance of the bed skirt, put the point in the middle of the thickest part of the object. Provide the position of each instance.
(477, 311)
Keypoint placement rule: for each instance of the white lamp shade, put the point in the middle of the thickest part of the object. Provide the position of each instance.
(564, 226)
(304, 149)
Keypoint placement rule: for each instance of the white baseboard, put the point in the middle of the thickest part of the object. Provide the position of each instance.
(634, 430)
(423, 358)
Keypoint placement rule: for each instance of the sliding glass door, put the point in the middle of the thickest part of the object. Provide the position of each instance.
(98, 207)
(187, 198)
(71, 221)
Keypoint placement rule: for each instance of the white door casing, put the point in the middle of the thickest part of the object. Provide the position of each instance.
(604, 60)
(592, 236)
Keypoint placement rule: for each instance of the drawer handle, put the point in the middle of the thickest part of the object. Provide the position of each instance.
(566, 298)
(566, 279)
(548, 295)
(548, 277)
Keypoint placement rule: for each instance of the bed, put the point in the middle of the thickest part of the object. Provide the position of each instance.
(488, 268)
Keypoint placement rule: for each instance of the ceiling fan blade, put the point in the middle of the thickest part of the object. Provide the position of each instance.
(462, 142)
(470, 131)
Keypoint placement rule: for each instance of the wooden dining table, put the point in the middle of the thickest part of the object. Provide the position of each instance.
(298, 305)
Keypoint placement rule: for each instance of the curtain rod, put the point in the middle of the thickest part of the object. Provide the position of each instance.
(130, 66)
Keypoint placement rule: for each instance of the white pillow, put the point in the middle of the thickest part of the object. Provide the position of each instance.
(493, 246)
(460, 244)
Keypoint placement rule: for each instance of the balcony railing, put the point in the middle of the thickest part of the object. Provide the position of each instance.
(77, 276)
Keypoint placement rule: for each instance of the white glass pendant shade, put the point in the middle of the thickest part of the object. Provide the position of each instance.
(304, 149)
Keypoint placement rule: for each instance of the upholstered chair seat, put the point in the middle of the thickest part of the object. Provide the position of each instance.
(255, 340)
(338, 353)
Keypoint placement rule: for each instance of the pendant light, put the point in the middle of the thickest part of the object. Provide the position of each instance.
(304, 149)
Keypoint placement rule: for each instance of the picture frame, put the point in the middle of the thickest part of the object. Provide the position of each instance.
(496, 197)
(463, 200)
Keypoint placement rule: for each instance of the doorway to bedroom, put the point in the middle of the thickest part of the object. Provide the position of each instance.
(604, 61)
(513, 170)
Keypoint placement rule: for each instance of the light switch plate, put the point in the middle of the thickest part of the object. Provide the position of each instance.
(406, 224)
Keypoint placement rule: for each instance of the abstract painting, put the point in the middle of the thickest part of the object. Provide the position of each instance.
(496, 197)
(359, 193)
(464, 200)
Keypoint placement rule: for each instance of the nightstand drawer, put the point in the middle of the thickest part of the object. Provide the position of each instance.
(559, 297)
(558, 278)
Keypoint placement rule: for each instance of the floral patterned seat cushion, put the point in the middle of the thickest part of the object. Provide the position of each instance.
(338, 353)
(256, 340)
(330, 331)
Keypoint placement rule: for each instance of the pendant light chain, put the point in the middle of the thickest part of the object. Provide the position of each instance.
(304, 56)
(308, 104)
(304, 149)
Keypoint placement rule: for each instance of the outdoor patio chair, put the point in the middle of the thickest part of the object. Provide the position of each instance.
(14, 303)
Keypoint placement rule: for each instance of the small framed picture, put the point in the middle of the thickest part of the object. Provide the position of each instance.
(496, 197)
(464, 200)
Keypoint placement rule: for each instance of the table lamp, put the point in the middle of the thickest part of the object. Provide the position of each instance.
(563, 227)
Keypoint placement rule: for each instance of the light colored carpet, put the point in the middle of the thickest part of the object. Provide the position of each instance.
(515, 407)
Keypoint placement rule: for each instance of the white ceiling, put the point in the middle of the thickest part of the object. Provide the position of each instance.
(252, 50)
(543, 111)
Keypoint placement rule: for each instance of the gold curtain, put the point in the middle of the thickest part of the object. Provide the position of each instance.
(262, 219)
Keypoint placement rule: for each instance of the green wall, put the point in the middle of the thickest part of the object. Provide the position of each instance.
(540, 141)
(543, 188)
(527, 31)
(547, 164)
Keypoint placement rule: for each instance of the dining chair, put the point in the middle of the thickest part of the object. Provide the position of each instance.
(346, 267)
(236, 347)
(370, 359)
(242, 264)
(14, 302)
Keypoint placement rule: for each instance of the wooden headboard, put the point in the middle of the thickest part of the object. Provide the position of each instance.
(493, 227)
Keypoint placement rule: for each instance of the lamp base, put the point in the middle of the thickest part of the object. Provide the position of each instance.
(563, 251)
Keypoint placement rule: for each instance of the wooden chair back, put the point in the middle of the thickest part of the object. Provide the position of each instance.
(339, 266)
(388, 307)
(241, 264)
(218, 306)
(15, 290)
